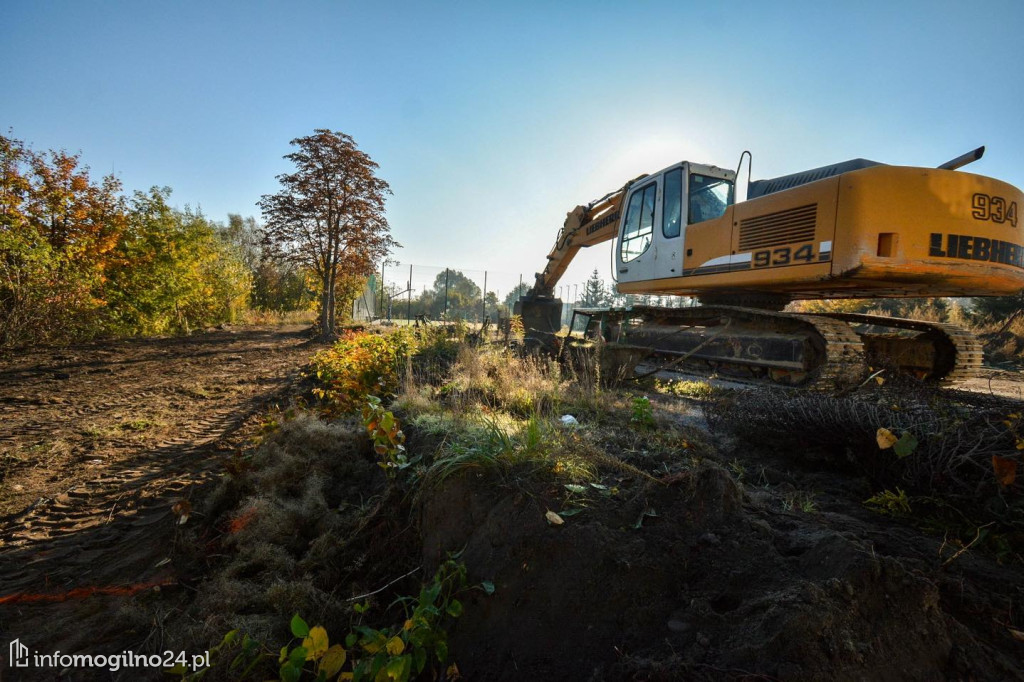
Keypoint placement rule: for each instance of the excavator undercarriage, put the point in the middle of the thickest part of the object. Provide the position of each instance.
(781, 348)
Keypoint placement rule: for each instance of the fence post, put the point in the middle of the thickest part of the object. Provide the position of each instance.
(382, 288)
(483, 300)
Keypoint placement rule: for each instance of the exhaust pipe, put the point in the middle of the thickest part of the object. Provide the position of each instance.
(964, 159)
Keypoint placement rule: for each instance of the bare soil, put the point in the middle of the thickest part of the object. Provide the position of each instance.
(98, 444)
(742, 562)
(774, 573)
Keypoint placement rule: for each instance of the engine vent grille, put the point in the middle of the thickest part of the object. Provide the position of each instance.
(783, 227)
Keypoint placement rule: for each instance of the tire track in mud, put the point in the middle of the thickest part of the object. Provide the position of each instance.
(114, 522)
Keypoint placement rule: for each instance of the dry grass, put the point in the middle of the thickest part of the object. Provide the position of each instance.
(285, 526)
(500, 379)
(501, 412)
(280, 318)
(1004, 344)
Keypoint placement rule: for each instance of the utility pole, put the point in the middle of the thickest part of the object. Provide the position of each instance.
(483, 300)
(382, 287)
(445, 314)
(408, 306)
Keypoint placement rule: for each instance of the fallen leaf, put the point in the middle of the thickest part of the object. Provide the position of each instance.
(1005, 470)
(1017, 634)
(885, 438)
(554, 519)
(905, 445)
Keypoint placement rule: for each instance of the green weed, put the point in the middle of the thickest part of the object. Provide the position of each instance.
(641, 413)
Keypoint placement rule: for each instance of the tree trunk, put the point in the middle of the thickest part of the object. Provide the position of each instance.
(333, 306)
(326, 331)
(334, 283)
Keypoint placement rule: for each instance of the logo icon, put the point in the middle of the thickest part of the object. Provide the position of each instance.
(18, 654)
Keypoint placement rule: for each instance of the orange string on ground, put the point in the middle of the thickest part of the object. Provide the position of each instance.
(81, 593)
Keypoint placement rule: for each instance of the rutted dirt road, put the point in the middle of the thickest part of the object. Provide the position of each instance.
(99, 442)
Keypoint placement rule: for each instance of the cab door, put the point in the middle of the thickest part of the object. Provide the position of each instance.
(670, 225)
(635, 261)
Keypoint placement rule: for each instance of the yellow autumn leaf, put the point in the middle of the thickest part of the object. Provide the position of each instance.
(408, 625)
(395, 646)
(554, 519)
(334, 659)
(885, 438)
(316, 643)
(344, 677)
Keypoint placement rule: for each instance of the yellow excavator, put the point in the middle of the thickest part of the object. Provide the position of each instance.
(857, 229)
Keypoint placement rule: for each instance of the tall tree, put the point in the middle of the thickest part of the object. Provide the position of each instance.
(595, 293)
(329, 214)
(461, 294)
(277, 285)
(518, 291)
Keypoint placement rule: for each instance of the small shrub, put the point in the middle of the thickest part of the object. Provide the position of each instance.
(396, 653)
(641, 413)
(697, 390)
(387, 437)
(358, 365)
(889, 503)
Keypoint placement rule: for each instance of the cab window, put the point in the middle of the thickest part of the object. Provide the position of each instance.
(670, 212)
(639, 224)
(709, 197)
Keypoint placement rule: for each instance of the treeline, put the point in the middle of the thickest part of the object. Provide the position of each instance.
(462, 298)
(80, 259)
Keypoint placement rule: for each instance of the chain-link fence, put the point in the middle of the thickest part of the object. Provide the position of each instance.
(404, 291)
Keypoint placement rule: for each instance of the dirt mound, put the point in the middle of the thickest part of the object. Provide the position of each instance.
(715, 586)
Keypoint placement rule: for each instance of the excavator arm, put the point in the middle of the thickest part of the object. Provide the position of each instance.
(584, 226)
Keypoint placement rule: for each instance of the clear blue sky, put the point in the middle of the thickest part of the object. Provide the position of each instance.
(492, 120)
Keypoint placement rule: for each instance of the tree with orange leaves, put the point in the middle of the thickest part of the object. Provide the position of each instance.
(329, 215)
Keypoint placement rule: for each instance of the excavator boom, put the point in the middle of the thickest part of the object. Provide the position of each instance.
(585, 225)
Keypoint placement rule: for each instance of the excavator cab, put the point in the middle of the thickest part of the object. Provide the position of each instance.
(658, 210)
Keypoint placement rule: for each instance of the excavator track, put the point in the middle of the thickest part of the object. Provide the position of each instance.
(776, 347)
(939, 352)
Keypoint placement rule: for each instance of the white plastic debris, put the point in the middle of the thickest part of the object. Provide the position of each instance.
(569, 420)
